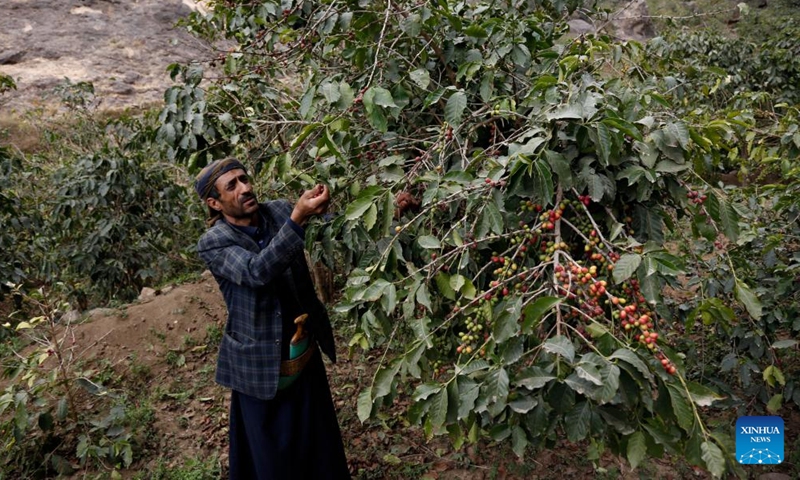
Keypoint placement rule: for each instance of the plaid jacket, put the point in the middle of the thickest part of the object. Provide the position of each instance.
(250, 351)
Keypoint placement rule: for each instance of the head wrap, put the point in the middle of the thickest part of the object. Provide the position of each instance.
(205, 180)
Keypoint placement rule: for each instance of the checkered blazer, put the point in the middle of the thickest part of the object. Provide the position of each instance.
(250, 351)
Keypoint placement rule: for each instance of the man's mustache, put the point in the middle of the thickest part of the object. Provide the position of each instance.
(246, 197)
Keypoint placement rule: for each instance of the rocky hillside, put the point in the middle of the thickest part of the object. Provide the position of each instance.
(122, 46)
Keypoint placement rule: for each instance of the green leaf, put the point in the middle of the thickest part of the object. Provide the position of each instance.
(589, 373)
(429, 241)
(560, 345)
(91, 387)
(784, 344)
(533, 312)
(364, 404)
(331, 92)
(487, 86)
(625, 127)
(491, 220)
(626, 266)
(775, 403)
(63, 409)
(713, 206)
(423, 296)
(373, 292)
(382, 97)
(533, 378)
(523, 404)
(647, 222)
(438, 410)
(632, 359)
(454, 109)
(425, 390)
(384, 379)
(543, 179)
(715, 460)
(505, 326)
(596, 330)
(680, 132)
(632, 173)
(307, 102)
(356, 209)
(773, 374)
(497, 387)
(45, 421)
(377, 119)
(476, 31)
(412, 25)
(468, 390)
(730, 220)
(608, 390)
(521, 55)
(370, 217)
(421, 77)
(668, 166)
(702, 395)
(560, 166)
(648, 153)
(577, 421)
(566, 112)
(166, 134)
(749, 299)
(637, 449)
(444, 286)
(519, 441)
(603, 142)
(433, 97)
(681, 408)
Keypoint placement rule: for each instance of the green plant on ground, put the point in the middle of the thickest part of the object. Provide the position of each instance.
(213, 335)
(175, 359)
(44, 420)
(189, 469)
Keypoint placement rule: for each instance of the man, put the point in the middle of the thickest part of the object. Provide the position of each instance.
(282, 420)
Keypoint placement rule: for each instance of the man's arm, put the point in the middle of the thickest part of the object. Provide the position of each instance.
(227, 259)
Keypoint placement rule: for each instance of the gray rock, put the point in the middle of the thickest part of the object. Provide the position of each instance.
(580, 27)
(70, 317)
(147, 293)
(11, 57)
(630, 21)
(121, 88)
(101, 312)
(131, 77)
(773, 476)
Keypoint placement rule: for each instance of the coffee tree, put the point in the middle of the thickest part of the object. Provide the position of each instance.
(505, 195)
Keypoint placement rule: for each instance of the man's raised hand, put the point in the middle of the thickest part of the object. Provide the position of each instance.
(312, 202)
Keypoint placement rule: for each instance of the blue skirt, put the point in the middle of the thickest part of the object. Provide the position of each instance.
(294, 436)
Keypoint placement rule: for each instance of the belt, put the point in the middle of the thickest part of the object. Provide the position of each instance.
(301, 349)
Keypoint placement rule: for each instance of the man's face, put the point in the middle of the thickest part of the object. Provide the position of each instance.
(236, 198)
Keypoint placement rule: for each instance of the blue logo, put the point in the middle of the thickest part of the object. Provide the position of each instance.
(759, 440)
